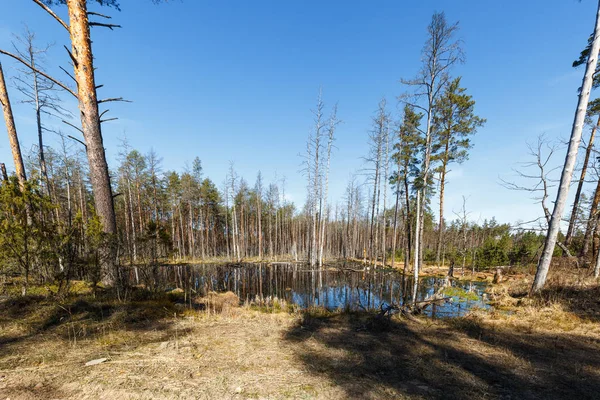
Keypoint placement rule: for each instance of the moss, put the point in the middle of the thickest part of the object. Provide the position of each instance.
(460, 293)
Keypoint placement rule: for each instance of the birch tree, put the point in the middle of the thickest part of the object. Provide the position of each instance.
(570, 159)
(593, 109)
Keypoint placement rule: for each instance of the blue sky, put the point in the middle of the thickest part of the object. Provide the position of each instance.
(236, 81)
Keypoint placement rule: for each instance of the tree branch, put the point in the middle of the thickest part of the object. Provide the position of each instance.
(19, 59)
(72, 126)
(49, 11)
(114, 99)
(99, 15)
(77, 140)
(75, 63)
(67, 72)
(109, 26)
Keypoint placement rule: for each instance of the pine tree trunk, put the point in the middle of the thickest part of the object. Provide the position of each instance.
(571, 158)
(588, 151)
(90, 119)
(12, 131)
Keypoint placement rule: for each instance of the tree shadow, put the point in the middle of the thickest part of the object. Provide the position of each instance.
(78, 318)
(581, 300)
(445, 360)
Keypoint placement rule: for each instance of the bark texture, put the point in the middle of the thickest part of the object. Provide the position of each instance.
(88, 106)
(12, 131)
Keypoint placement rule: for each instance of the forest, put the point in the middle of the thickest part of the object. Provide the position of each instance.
(129, 278)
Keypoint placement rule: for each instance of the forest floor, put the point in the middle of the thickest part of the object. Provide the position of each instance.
(526, 348)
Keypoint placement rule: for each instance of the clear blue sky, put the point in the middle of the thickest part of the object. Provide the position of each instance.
(236, 81)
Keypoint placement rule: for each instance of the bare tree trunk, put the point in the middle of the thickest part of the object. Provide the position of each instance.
(591, 222)
(132, 219)
(38, 116)
(567, 173)
(597, 266)
(385, 185)
(259, 220)
(4, 173)
(90, 119)
(408, 229)
(438, 252)
(396, 215)
(416, 250)
(12, 131)
(588, 151)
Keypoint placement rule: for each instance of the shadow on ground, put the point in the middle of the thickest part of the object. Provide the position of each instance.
(454, 359)
(31, 318)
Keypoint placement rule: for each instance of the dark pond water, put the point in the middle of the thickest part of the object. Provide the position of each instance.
(352, 288)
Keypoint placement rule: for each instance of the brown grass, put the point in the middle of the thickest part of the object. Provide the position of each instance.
(527, 348)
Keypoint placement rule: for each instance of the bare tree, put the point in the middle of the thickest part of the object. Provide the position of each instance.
(541, 183)
(259, 190)
(463, 216)
(39, 92)
(377, 137)
(332, 124)
(571, 157)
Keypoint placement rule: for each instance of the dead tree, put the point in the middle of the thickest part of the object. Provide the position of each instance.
(570, 159)
(39, 92)
(12, 131)
(541, 181)
(81, 57)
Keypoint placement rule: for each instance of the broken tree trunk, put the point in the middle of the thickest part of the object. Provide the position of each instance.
(12, 131)
(4, 173)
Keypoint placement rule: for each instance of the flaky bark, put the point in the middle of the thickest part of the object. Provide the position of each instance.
(12, 131)
(88, 107)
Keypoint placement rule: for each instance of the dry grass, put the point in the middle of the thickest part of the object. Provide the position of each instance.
(528, 348)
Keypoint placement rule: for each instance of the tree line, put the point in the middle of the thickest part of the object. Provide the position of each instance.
(64, 214)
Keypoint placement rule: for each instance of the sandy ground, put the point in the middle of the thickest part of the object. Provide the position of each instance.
(157, 350)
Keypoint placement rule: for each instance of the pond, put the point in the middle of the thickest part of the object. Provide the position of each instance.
(352, 287)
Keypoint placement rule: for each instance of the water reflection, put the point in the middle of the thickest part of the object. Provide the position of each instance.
(332, 288)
